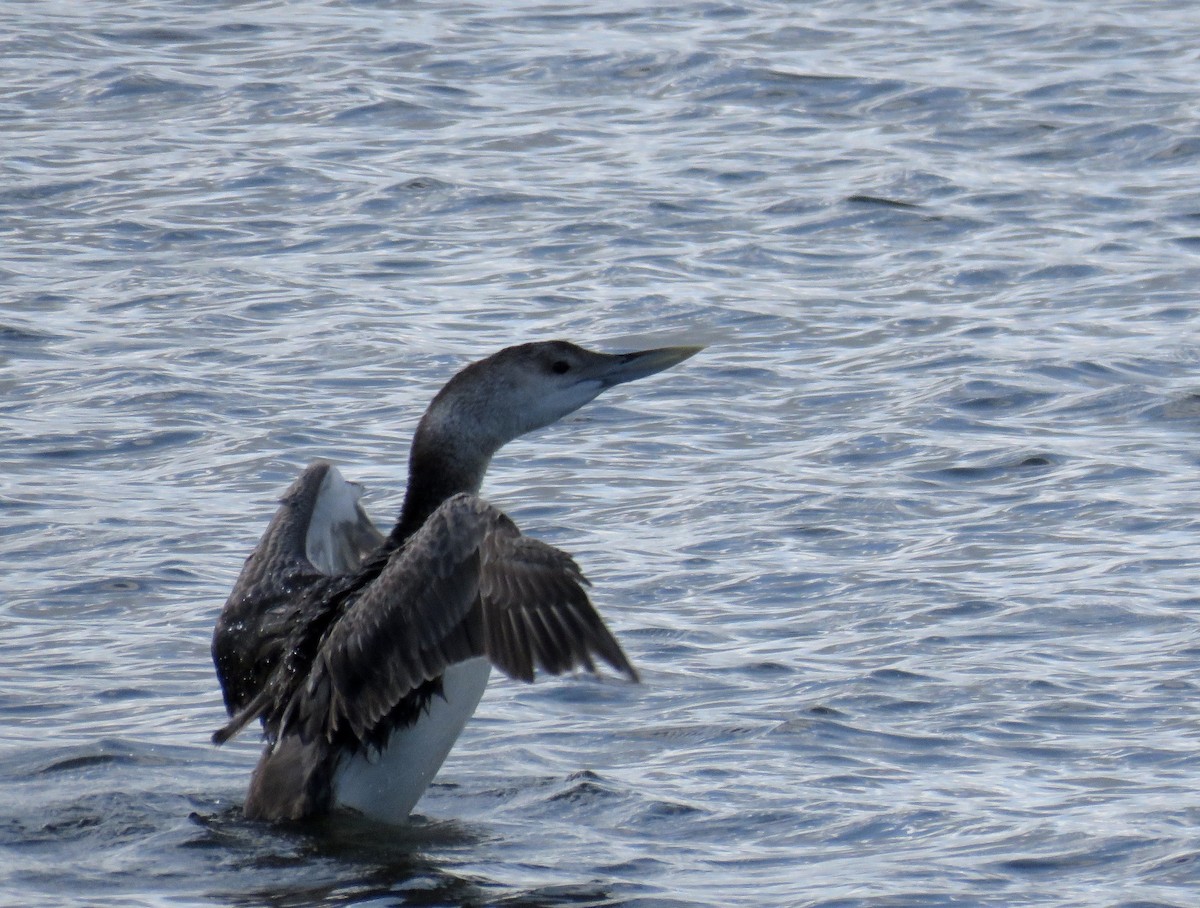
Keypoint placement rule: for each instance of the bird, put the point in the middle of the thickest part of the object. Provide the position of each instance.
(362, 655)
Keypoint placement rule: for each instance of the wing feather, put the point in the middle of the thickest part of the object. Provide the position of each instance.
(466, 584)
(406, 627)
(536, 596)
(318, 530)
(339, 533)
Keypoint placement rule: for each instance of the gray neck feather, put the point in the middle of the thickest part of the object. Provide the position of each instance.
(445, 459)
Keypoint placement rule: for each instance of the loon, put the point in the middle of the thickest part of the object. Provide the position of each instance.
(364, 655)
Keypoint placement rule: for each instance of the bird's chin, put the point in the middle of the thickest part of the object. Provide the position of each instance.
(551, 408)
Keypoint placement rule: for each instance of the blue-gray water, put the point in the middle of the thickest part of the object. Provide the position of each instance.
(906, 557)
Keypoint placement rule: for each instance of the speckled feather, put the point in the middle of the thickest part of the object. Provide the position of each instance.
(337, 665)
(467, 572)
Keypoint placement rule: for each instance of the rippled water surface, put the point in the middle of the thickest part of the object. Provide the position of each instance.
(906, 557)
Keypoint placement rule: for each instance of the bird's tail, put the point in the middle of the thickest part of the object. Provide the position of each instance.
(293, 781)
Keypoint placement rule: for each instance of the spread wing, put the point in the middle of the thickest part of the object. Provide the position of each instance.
(319, 530)
(466, 584)
(339, 533)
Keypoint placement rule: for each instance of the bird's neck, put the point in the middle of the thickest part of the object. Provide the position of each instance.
(441, 464)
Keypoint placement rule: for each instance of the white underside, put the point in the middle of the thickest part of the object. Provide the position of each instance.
(339, 531)
(386, 786)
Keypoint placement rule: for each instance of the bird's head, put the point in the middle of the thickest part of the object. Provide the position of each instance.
(506, 395)
(529, 386)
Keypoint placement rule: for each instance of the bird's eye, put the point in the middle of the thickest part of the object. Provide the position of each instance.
(560, 367)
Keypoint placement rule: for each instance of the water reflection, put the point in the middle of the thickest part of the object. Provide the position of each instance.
(347, 860)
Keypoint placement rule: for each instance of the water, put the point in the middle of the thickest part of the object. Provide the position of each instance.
(905, 558)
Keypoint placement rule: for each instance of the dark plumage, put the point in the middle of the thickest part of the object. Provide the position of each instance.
(341, 641)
